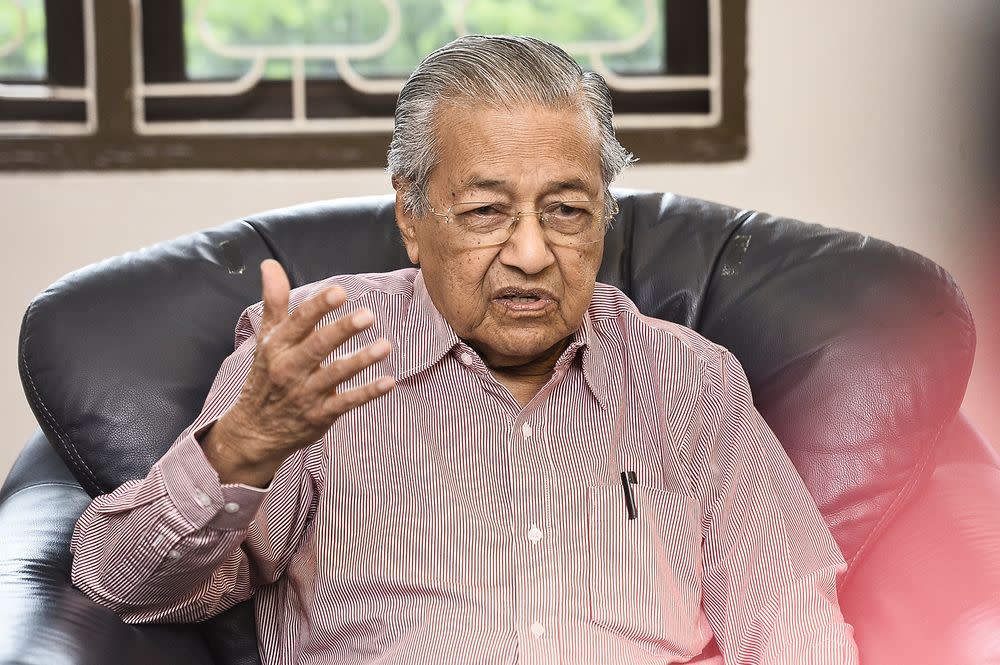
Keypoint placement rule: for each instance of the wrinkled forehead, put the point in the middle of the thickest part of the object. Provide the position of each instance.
(456, 103)
(512, 145)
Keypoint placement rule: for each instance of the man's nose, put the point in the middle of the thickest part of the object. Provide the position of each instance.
(527, 248)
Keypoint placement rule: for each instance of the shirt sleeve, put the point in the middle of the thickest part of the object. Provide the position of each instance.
(179, 546)
(770, 565)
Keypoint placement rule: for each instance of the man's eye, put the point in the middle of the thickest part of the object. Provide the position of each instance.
(483, 215)
(566, 211)
(486, 211)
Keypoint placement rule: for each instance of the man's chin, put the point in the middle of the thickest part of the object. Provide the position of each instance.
(518, 350)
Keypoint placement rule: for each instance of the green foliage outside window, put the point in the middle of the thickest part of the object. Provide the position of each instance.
(426, 24)
(28, 62)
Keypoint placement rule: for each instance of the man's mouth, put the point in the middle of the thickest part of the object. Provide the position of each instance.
(524, 301)
(516, 293)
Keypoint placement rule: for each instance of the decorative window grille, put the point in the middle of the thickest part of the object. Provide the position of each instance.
(270, 83)
(59, 100)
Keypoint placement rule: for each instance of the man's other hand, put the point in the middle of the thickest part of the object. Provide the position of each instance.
(291, 397)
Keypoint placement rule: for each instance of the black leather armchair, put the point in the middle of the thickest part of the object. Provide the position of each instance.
(858, 353)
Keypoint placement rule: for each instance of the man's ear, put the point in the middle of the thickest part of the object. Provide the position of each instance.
(405, 221)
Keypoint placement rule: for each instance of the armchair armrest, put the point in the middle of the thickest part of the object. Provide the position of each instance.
(45, 620)
(929, 590)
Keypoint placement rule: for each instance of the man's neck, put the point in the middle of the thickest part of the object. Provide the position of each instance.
(526, 379)
(523, 388)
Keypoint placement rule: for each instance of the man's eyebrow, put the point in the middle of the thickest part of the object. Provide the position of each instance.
(552, 187)
(484, 183)
(574, 183)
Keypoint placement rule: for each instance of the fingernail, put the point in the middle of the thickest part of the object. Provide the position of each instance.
(381, 348)
(385, 383)
(362, 317)
(332, 297)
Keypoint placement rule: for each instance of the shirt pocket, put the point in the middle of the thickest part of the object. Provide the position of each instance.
(645, 574)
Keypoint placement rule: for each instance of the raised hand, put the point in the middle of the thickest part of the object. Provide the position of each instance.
(290, 397)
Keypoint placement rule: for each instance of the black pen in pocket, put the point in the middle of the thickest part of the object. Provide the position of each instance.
(629, 479)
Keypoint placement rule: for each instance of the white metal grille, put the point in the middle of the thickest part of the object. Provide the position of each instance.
(343, 56)
(43, 93)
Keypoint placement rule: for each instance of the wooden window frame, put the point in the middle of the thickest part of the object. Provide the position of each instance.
(116, 145)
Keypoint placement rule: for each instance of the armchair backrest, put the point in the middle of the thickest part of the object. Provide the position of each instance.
(858, 351)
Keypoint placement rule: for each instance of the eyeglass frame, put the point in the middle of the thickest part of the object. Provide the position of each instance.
(515, 217)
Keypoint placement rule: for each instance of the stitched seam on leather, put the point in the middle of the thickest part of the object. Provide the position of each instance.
(45, 484)
(75, 458)
(890, 512)
(741, 219)
(907, 490)
(35, 397)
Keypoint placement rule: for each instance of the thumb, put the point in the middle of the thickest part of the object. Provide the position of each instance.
(274, 292)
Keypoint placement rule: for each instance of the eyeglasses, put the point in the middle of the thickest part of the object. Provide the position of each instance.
(564, 223)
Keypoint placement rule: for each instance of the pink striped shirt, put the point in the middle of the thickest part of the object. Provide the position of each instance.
(443, 523)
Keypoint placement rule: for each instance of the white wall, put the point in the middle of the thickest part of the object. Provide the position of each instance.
(853, 124)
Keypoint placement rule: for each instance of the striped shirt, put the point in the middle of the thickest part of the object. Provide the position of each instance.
(445, 524)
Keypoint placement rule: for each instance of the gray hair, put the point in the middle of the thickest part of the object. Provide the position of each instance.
(495, 70)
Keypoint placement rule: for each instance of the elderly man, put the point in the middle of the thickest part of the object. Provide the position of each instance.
(491, 458)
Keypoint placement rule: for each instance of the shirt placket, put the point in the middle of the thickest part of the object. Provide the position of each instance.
(535, 542)
(537, 592)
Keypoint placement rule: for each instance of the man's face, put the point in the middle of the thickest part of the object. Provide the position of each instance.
(513, 302)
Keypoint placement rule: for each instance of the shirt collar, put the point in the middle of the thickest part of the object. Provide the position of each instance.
(425, 337)
(587, 342)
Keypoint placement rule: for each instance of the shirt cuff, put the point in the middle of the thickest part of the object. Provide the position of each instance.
(193, 485)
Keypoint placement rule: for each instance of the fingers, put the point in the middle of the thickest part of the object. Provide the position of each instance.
(339, 404)
(312, 310)
(294, 327)
(310, 352)
(293, 348)
(326, 379)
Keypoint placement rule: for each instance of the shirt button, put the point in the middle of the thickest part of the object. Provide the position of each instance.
(534, 533)
(173, 555)
(231, 507)
(537, 629)
(466, 358)
(202, 499)
(526, 430)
